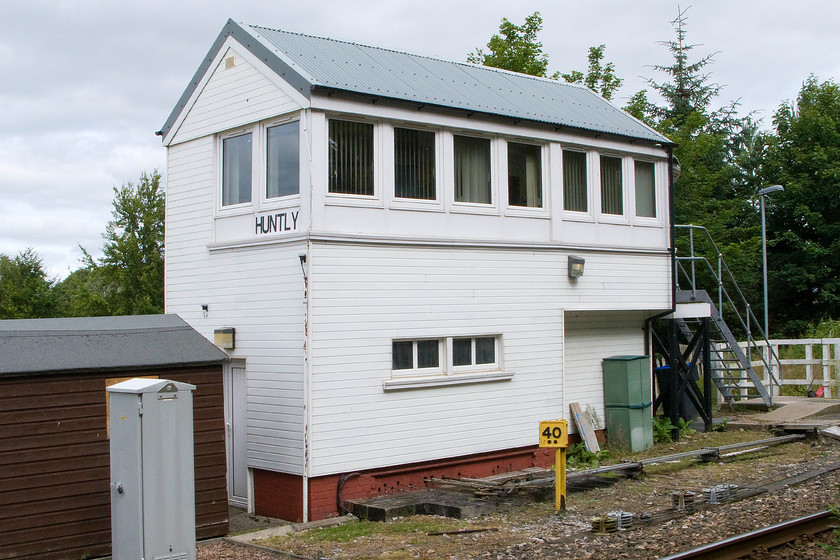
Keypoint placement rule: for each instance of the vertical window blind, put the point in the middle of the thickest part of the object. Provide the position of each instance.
(350, 157)
(236, 169)
(414, 164)
(472, 169)
(574, 181)
(282, 160)
(612, 201)
(524, 175)
(645, 189)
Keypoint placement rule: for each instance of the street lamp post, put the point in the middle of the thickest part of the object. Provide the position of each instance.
(761, 194)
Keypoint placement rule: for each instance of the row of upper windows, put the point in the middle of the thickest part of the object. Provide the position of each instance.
(415, 170)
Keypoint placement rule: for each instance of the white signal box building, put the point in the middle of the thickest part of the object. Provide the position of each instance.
(410, 261)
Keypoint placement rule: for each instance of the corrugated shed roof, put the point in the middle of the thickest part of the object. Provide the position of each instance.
(313, 62)
(29, 346)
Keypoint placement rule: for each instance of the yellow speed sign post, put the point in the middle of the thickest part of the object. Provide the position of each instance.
(555, 433)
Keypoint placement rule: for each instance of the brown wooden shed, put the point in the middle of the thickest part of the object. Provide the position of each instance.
(54, 448)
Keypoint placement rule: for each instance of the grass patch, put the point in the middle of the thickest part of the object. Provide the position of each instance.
(348, 532)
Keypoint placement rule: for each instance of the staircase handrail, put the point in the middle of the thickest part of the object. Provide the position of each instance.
(771, 357)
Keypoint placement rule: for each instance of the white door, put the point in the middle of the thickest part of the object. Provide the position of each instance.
(237, 433)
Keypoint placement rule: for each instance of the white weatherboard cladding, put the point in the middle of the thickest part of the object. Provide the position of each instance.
(258, 291)
(591, 337)
(362, 297)
(233, 96)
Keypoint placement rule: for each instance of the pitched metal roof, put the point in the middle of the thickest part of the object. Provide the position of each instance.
(29, 346)
(310, 63)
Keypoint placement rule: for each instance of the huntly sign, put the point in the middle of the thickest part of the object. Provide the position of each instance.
(277, 222)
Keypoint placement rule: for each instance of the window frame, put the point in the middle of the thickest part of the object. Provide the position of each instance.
(390, 161)
(588, 156)
(238, 207)
(541, 211)
(416, 371)
(657, 220)
(282, 200)
(603, 217)
(464, 207)
(352, 199)
(447, 374)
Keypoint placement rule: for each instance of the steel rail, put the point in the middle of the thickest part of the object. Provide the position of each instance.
(767, 537)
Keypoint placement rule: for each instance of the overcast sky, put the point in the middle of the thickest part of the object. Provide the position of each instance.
(86, 83)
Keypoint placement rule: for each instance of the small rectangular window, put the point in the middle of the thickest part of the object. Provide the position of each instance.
(472, 170)
(574, 181)
(645, 189)
(462, 352)
(350, 157)
(236, 169)
(414, 164)
(485, 350)
(612, 201)
(282, 160)
(407, 355)
(524, 175)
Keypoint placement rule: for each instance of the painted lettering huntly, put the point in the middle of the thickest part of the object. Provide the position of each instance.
(279, 222)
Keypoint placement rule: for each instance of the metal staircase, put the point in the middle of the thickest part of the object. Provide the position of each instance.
(730, 362)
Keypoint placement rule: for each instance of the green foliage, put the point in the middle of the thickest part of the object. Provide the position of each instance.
(663, 429)
(803, 221)
(25, 290)
(599, 78)
(578, 457)
(720, 426)
(515, 48)
(347, 532)
(128, 279)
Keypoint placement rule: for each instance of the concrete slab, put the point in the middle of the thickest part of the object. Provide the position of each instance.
(795, 409)
(277, 531)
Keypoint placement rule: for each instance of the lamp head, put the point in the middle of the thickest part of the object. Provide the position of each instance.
(770, 189)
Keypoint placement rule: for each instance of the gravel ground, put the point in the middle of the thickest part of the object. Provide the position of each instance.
(535, 532)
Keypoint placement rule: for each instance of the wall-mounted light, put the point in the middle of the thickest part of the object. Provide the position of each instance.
(205, 310)
(225, 338)
(576, 266)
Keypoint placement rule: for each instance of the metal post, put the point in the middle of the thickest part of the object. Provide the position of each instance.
(764, 268)
(761, 194)
(560, 479)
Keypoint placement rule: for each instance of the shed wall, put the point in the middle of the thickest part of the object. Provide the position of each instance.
(54, 462)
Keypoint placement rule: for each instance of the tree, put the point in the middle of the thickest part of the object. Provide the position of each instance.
(515, 48)
(803, 223)
(688, 89)
(718, 154)
(25, 290)
(128, 279)
(600, 79)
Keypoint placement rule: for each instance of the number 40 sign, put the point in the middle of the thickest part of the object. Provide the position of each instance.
(554, 433)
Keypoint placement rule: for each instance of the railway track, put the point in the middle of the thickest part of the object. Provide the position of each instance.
(742, 545)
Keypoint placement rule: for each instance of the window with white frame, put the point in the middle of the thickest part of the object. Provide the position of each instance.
(575, 197)
(417, 356)
(237, 163)
(350, 157)
(282, 160)
(451, 355)
(524, 175)
(414, 164)
(612, 188)
(645, 189)
(472, 170)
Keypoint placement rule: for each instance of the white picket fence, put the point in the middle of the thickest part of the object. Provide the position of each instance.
(807, 362)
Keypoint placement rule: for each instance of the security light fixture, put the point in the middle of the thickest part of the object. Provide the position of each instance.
(225, 338)
(576, 266)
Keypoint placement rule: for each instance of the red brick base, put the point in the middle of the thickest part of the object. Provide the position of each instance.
(280, 495)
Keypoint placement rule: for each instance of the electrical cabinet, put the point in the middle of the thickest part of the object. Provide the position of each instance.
(152, 470)
(628, 402)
